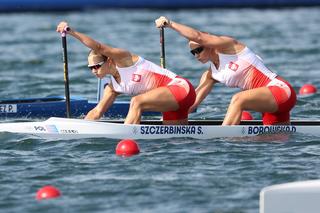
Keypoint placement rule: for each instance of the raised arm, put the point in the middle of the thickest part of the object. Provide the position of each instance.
(192, 34)
(204, 88)
(115, 53)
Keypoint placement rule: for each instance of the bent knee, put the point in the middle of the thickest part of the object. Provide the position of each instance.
(238, 100)
(136, 102)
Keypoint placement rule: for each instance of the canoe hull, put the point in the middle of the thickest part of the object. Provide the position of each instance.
(62, 128)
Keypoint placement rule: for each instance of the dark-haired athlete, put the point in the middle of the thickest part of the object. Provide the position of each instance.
(235, 65)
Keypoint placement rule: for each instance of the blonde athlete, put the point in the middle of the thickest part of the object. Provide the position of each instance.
(235, 65)
(154, 88)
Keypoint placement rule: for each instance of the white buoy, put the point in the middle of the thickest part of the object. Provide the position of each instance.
(295, 197)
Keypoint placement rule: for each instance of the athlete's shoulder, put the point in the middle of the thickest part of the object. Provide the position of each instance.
(230, 45)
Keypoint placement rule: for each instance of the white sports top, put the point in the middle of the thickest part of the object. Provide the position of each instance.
(244, 70)
(141, 77)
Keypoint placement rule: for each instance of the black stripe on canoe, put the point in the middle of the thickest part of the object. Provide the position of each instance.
(219, 122)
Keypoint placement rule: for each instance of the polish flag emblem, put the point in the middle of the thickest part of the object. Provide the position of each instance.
(136, 77)
(233, 66)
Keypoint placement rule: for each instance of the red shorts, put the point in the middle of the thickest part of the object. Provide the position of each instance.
(185, 95)
(285, 104)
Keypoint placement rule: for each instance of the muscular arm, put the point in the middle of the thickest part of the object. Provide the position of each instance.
(225, 44)
(201, 38)
(121, 56)
(115, 53)
(107, 100)
(204, 88)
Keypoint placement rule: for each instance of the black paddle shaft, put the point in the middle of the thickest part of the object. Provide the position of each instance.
(66, 75)
(162, 50)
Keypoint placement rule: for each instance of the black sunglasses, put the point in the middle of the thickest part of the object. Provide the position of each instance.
(197, 50)
(96, 66)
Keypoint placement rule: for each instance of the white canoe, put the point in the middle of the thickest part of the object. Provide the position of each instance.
(64, 128)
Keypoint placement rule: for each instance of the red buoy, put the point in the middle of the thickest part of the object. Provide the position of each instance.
(127, 148)
(48, 192)
(246, 116)
(307, 89)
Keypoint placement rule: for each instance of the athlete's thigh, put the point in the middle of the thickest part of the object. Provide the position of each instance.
(160, 99)
(259, 99)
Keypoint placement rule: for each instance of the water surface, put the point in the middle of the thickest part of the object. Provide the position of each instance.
(170, 175)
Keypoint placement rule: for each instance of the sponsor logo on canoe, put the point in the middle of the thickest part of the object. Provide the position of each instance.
(40, 128)
(46, 128)
(69, 131)
(8, 108)
(169, 130)
(54, 129)
(258, 130)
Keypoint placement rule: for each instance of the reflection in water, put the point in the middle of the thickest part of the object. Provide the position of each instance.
(264, 138)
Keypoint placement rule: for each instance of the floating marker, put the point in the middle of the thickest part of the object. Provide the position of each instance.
(127, 148)
(48, 192)
(307, 89)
